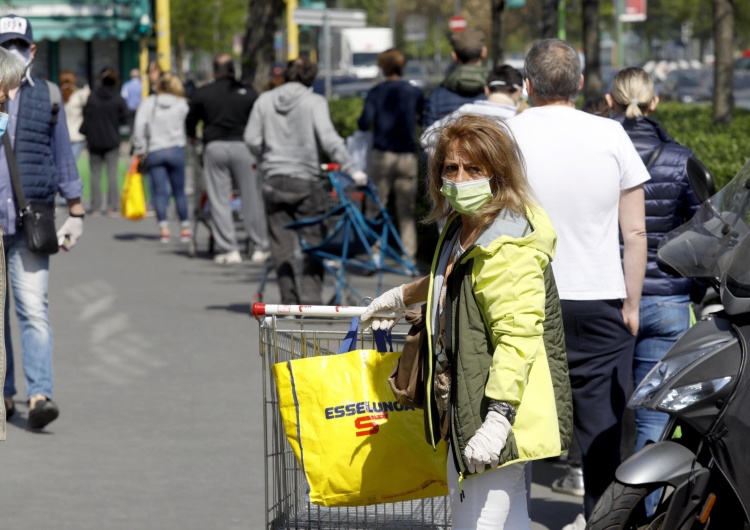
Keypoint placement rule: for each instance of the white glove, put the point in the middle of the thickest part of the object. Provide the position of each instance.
(71, 230)
(485, 446)
(359, 178)
(393, 299)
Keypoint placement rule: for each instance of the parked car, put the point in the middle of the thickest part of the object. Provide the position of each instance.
(344, 86)
(688, 86)
(695, 86)
(417, 74)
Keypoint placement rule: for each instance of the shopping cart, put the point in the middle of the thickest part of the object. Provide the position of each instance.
(293, 332)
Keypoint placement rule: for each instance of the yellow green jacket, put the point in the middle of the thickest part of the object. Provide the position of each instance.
(505, 338)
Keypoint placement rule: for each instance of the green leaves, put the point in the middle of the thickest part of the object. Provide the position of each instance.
(723, 149)
(345, 113)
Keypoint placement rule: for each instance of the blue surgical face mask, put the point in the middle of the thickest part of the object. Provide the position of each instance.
(23, 53)
(3, 123)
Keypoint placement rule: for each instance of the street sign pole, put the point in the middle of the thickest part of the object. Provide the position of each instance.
(327, 53)
(327, 19)
(619, 10)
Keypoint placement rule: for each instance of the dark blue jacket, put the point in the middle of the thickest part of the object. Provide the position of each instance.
(670, 200)
(464, 85)
(33, 144)
(391, 110)
(43, 154)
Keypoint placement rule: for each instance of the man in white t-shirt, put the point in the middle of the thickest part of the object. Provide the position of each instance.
(589, 178)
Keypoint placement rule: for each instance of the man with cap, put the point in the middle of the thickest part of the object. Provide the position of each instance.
(503, 91)
(465, 84)
(39, 135)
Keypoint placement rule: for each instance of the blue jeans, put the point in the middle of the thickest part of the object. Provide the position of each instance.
(166, 168)
(77, 147)
(663, 320)
(28, 273)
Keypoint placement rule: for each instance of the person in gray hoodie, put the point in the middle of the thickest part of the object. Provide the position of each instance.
(159, 136)
(286, 126)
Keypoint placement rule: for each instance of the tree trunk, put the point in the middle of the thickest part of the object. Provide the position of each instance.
(257, 54)
(497, 53)
(723, 65)
(180, 56)
(549, 18)
(593, 85)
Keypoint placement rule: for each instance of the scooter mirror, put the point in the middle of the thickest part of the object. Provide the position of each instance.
(700, 179)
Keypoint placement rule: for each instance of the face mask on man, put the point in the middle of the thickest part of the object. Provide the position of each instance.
(467, 197)
(22, 52)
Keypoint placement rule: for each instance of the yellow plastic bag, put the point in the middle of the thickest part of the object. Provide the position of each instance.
(133, 200)
(355, 443)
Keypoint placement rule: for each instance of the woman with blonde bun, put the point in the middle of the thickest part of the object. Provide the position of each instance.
(670, 201)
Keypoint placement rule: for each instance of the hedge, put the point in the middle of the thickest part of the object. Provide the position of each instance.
(723, 149)
(345, 113)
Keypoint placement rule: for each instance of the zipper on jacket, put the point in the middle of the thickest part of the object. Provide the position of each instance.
(431, 344)
(457, 460)
(457, 457)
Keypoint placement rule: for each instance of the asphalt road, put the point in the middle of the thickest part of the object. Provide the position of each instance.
(157, 376)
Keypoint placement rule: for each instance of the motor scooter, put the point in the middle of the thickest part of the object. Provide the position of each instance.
(700, 468)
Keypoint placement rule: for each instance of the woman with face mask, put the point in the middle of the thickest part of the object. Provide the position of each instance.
(104, 113)
(496, 388)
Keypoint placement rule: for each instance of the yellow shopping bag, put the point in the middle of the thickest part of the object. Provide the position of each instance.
(355, 443)
(133, 200)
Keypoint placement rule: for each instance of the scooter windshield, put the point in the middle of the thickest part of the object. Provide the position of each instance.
(702, 247)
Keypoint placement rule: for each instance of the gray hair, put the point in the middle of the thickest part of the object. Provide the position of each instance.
(554, 69)
(12, 69)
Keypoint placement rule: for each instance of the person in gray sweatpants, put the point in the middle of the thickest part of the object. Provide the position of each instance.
(224, 106)
(223, 160)
(285, 128)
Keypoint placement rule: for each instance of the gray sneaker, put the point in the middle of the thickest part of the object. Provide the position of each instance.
(571, 483)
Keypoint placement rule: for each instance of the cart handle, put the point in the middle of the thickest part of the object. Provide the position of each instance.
(260, 310)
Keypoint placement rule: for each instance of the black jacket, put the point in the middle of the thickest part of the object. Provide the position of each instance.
(224, 107)
(103, 114)
(670, 200)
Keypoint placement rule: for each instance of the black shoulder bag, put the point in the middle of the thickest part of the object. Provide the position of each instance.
(35, 218)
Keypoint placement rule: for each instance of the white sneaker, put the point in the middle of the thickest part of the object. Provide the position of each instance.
(578, 524)
(260, 256)
(228, 258)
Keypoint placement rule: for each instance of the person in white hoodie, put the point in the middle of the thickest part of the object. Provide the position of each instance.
(159, 136)
(286, 126)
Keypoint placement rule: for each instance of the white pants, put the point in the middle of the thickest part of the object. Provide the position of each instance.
(494, 500)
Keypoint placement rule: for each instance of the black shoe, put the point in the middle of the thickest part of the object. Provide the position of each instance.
(43, 413)
(10, 408)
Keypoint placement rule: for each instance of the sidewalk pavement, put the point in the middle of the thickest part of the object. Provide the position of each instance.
(158, 380)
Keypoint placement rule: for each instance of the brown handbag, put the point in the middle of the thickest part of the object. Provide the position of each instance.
(407, 377)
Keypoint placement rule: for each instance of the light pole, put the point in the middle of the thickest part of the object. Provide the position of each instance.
(163, 37)
(292, 31)
(619, 10)
(561, 33)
